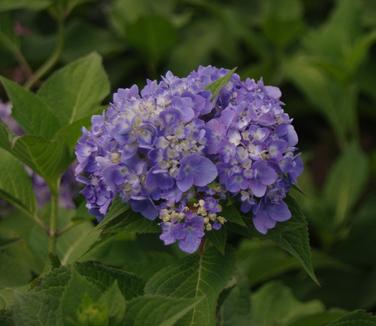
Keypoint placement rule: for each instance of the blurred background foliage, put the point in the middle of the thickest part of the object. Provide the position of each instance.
(322, 54)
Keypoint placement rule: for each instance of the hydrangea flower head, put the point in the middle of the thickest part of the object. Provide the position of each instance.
(174, 151)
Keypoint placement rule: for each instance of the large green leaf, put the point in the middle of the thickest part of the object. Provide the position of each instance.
(236, 307)
(75, 91)
(48, 158)
(158, 310)
(202, 275)
(15, 184)
(293, 237)
(103, 276)
(274, 304)
(30, 111)
(44, 299)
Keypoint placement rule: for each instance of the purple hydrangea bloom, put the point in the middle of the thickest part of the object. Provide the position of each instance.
(171, 150)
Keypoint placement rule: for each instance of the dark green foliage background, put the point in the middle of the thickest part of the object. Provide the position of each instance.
(322, 54)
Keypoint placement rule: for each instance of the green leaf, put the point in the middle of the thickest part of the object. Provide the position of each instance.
(262, 260)
(218, 239)
(72, 132)
(75, 91)
(48, 158)
(293, 237)
(343, 189)
(275, 304)
(103, 276)
(82, 38)
(153, 36)
(70, 301)
(217, 86)
(355, 318)
(318, 319)
(5, 137)
(282, 21)
(30, 111)
(236, 308)
(15, 184)
(156, 310)
(13, 268)
(44, 299)
(24, 4)
(5, 242)
(195, 276)
(114, 302)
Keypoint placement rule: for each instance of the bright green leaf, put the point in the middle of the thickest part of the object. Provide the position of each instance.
(76, 90)
(48, 158)
(217, 86)
(30, 111)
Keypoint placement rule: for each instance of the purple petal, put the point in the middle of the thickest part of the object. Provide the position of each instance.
(144, 207)
(257, 188)
(185, 183)
(279, 212)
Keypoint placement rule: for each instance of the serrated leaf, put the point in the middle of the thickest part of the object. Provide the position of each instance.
(293, 237)
(158, 310)
(114, 302)
(200, 275)
(15, 184)
(44, 299)
(70, 301)
(103, 276)
(30, 111)
(75, 91)
(275, 303)
(217, 86)
(48, 158)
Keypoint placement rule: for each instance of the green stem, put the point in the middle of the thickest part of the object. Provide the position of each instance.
(51, 61)
(53, 224)
(23, 63)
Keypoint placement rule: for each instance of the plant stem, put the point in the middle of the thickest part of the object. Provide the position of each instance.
(23, 63)
(53, 224)
(51, 61)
